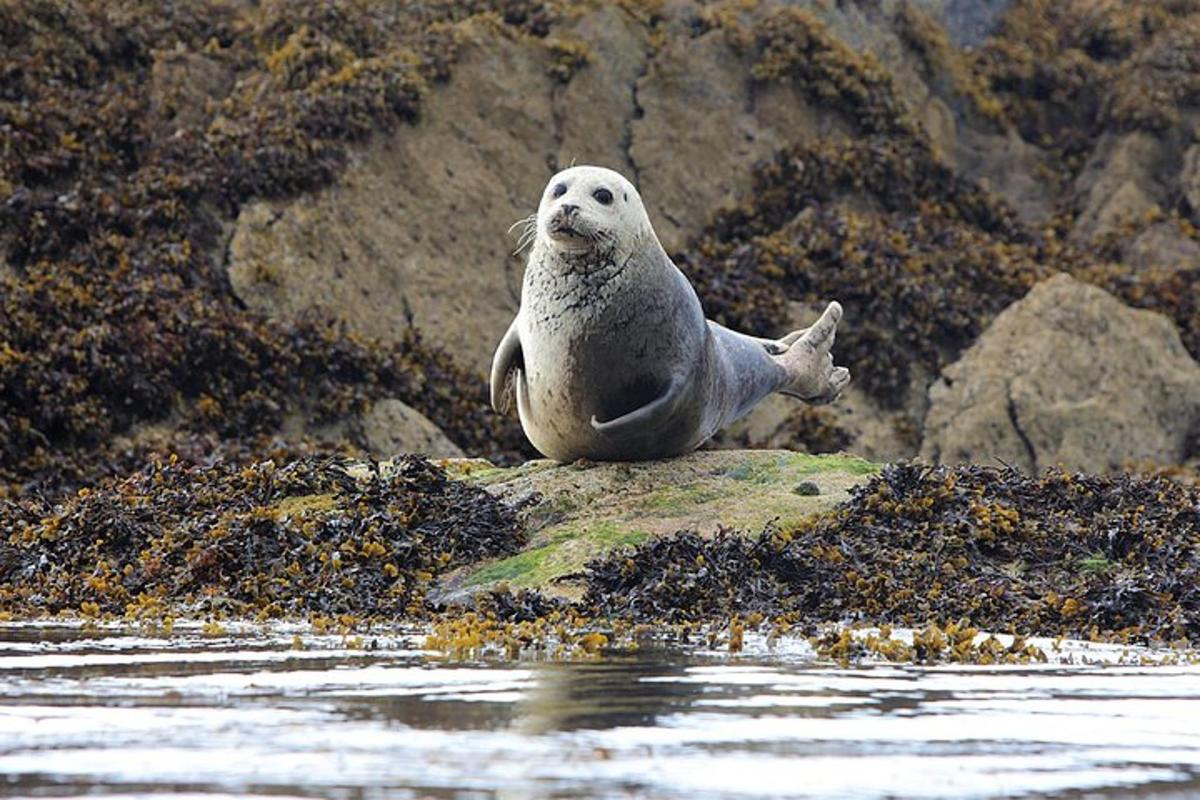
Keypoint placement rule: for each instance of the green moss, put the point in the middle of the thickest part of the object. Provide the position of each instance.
(805, 464)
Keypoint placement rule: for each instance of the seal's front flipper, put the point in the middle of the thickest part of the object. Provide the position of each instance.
(505, 366)
(647, 417)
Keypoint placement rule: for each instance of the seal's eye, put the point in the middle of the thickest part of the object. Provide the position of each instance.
(603, 197)
(559, 190)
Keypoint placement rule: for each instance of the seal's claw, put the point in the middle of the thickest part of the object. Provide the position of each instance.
(838, 380)
(821, 334)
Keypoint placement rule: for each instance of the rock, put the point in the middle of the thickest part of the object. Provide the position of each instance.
(1068, 375)
(418, 208)
(1007, 165)
(1118, 185)
(185, 86)
(392, 427)
(968, 22)
(595, 110)
(698, 100)
(416, 225)
(578, 512)
(1190, 180)
(1163, 245)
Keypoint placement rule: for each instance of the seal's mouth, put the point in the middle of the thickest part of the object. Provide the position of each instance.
(566, 229)
(563, 232)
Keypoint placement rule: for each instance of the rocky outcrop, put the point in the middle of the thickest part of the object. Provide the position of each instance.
(578, 512)
(414, 227)
(1068, 375)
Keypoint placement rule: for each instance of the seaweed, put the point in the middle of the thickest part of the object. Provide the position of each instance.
(304, 539)
(920, 270)
(919, 544)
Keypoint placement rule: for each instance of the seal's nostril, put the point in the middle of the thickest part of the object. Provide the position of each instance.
(569, 208)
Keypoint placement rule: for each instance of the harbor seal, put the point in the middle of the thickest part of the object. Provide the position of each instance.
(610, 355)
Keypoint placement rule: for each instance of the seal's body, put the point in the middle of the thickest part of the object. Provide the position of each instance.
(610, 354)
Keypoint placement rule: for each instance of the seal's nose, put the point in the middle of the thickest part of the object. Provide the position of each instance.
(568, 209)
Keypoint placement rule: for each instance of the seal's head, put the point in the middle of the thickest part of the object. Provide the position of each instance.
(586, 209)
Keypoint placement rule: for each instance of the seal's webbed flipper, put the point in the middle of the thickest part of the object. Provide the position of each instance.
(809, 364)
(645, 418)
(505, 363)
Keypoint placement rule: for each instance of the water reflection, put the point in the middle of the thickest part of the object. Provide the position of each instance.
(84, 713)
(621, 692)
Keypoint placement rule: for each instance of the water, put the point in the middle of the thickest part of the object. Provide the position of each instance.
(127, 716)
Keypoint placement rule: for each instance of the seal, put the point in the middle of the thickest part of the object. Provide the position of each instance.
(610, 356)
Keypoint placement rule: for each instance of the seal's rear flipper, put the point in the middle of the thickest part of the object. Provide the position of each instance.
(647, 417)
(809, 365)
(505, 365)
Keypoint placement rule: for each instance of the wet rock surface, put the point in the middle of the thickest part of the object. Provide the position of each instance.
(1070, 376)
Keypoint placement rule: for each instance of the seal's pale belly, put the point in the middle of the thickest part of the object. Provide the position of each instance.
(610, 352)
(603, 361)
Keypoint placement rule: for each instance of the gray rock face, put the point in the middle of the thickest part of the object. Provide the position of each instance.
(1163, 245)
(968, 22)
(414, 227)
(416, 224)
(1068, 375)
(1119, 184)
(698, 100)
(1190, 179)
(392, 427)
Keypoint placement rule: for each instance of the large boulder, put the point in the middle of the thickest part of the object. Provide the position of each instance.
(1068, 375)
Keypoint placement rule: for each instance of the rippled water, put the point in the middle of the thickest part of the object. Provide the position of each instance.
(100, 712)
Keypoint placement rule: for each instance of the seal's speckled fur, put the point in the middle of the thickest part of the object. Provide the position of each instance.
(610, 354)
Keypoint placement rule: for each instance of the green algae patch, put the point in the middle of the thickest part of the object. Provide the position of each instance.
(564, 556)
(578, 512)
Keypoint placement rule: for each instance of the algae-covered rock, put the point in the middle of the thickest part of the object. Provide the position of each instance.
(575, 513)
(1061, 554)
(1068, 375)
